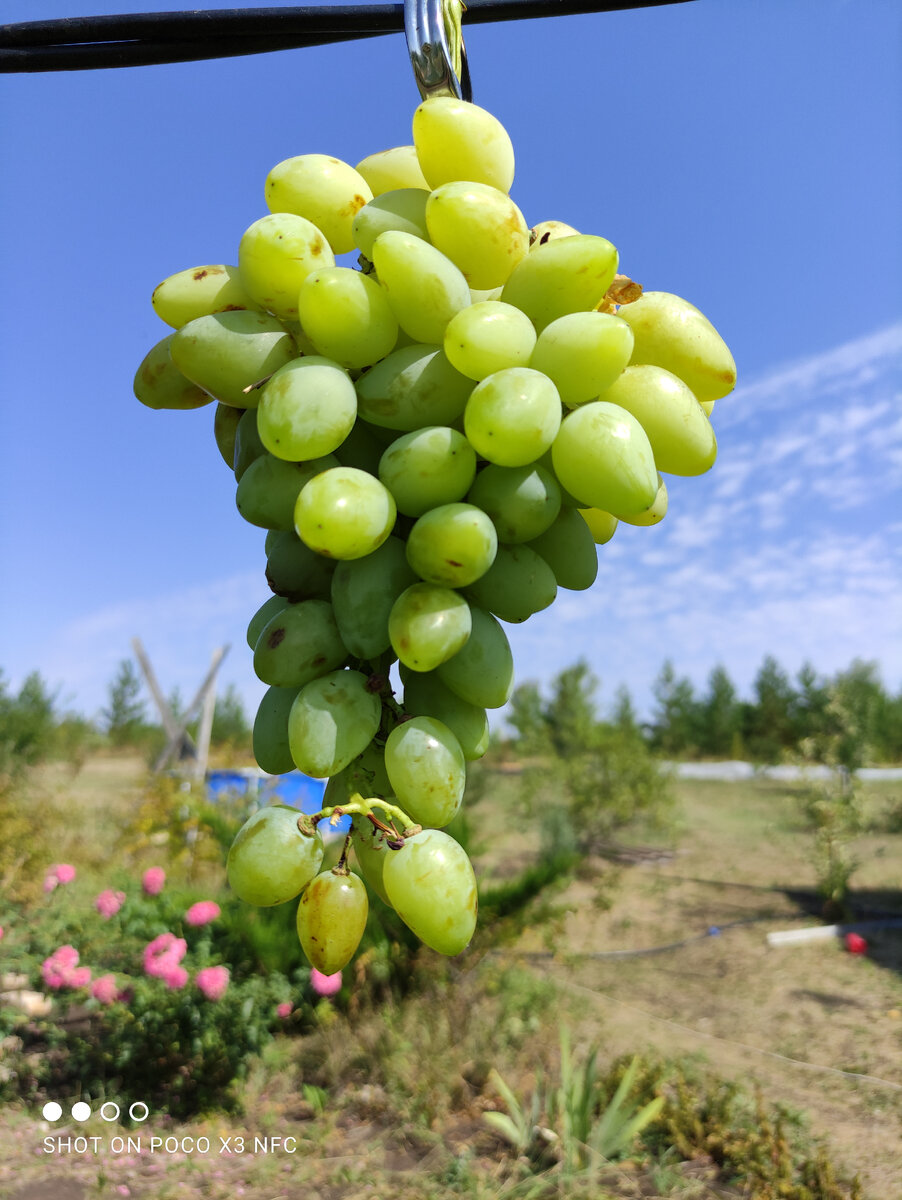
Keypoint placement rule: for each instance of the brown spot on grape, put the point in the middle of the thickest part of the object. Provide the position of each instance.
(276, 637)
(452, 563)
(545, 237)
(201, 274)
(319, 660)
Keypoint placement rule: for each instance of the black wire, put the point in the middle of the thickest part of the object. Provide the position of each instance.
(143, 39)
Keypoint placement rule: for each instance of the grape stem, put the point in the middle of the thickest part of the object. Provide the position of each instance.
(358, 806)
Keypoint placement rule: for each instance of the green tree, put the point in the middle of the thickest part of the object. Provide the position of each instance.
(769, 726)
(719, 715)
(123, 718)
(230, 723)
(810, 714)
(27, 724)
(674, 730)
(623, 714)
(527, 717)
(570, 713)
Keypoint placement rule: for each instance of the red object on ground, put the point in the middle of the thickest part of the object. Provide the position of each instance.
(855, 943)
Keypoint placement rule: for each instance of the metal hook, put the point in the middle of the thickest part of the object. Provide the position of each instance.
(427, 42)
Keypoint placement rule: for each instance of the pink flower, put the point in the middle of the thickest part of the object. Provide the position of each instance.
(108, 903)
(284, 1009)
(174, 976)
(163, 955)
(152, 881)
(325, 985)
(61, 969)
(203, 912)
(855, 943)
(60, 873)
(213, 981)
(1, 933)
(104, 989)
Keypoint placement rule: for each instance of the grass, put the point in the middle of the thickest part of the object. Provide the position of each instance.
(391, 1103)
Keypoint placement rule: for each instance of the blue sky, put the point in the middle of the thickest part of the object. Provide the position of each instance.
(746, 156)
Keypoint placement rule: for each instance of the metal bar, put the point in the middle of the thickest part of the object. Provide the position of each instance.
(139, 39)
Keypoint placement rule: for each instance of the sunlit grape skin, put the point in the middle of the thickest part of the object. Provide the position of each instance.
(428, 625)
(271, 859)
(307, 409)
(322, 189)
(603, 457)
(452, 545)
(331, 918)
(455, 140)
(427, 770)
(332, 720)
(431, 886)
(344, 513)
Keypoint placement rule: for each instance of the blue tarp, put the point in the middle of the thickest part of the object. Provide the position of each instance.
(300, 791)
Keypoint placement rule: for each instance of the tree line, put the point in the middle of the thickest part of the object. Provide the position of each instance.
(848, 719)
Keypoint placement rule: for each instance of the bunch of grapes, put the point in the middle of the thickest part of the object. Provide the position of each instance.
(436, 440)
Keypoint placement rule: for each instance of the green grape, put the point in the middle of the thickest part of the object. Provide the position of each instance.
(225, 431)
(480, 229)
(517, 584)
(271, 750)
(347, 317)
(365, 776)
(344, 513)
(363, 592)
(673, 334)
(480, 295)
(452, 545)
(457, 140)
(413, 387)
(602, 525)
(583, 353)
(269, 488)
(247, 441)
(680, 433)
(426, 696)
(428, 467)
(424, 287)
(198, 292)
(325, 190)
(307, 409)
(333, 719)
(371, 853)
(262, 617)
(482, 671)
(275, 256)
(548, 231)
(427, 625)
(296, 571)
(361, 449)
(389, 170)
(272, 859)
(298, 644)
(427, 770)
(487, 337)
(655, 513)
(331, 919)
(521, 501)
(229, 352)
(431, 886)
(160, 384)
(513, 416)
(564, 275)
(602, 455)
(569, 549)
(403, 210)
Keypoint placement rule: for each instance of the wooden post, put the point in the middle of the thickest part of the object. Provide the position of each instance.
(175, 738)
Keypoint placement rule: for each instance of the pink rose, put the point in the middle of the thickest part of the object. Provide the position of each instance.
(104, 989)
(61, 969)
(855, 943)
(174, 976)
(284, 1009)
(325, 985)
(60, 873)
(1, 933)
(108, 903)
(213, 981)
(163, 955)
(153, 880)
(203, 912)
